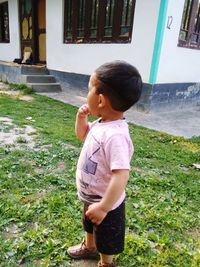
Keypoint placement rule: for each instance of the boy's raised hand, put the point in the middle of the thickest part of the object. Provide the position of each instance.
(83, 111)
(81, 124)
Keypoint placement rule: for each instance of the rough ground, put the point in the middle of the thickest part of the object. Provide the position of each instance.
(14, 136)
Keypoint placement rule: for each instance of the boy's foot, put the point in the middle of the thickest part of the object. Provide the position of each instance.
(81, 251)
(106, 264)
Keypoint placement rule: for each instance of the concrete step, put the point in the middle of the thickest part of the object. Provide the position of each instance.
(45, 87)
(26, 70)
(38, 79)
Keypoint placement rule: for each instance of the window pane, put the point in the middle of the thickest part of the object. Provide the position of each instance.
(27, 6)
(182, 35)
(94, 18)
(194, 38)
(126, 17)
(68, 25)
(185, 19)
(4, 22)
(81, 18)
(109, 18)
(190, 25)
(197, 20)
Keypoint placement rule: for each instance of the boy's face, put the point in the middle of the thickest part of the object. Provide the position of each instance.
(93, 97)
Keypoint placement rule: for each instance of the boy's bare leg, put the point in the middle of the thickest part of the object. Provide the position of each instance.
(106, 258)
(89, 240)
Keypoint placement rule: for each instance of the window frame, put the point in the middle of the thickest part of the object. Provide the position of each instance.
(3, 38)
(190, 25)
(113, 21)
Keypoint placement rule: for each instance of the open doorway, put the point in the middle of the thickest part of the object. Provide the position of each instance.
(32, 17)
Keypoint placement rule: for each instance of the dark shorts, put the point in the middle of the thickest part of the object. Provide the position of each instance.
(109, 235)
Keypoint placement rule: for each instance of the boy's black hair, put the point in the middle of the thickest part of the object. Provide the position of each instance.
(120, 82)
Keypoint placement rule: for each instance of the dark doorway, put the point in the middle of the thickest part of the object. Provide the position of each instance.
(32, 15)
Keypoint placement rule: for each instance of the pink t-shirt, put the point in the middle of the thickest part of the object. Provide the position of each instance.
(107, 147)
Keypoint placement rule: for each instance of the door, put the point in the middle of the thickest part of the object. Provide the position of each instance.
(42, 31)
(32, 17)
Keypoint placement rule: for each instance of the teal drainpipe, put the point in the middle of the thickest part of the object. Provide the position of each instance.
(158, 41)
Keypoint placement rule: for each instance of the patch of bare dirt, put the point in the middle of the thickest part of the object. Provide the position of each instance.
(17, 94)
(36, 196)
(194, 232)
(11, 232)
(60, 167)
(4, 90)
(12, 135)
(10, 92)
(3, 86)
(26, 98)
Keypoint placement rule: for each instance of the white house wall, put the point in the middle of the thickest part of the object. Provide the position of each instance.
(177, 64)
(10, 51)
(84, 58)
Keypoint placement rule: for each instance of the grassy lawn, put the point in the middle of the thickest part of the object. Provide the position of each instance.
(40, 215)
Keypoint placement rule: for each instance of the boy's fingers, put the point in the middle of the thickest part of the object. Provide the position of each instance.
(84, 109)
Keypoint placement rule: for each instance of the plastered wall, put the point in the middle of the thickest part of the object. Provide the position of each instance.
(177, 64)
(10, 51)
(84, 58)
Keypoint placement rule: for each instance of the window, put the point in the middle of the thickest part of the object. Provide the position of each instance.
(98, 21)
(190, 27)
(4, 23)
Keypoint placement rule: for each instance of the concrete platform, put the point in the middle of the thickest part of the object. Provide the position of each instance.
(178, 122)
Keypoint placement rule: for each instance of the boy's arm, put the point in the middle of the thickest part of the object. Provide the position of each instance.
(81, 124)
(97, 211)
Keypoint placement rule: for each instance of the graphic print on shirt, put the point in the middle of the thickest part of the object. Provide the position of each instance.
(89, 167)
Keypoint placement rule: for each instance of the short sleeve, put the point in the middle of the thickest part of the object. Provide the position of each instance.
(118, 152)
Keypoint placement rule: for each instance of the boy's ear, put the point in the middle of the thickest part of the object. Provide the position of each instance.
(102, 100)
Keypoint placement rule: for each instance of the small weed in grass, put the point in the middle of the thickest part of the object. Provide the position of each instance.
(21, 140)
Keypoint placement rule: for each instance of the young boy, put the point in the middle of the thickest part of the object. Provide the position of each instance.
(104, 162)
